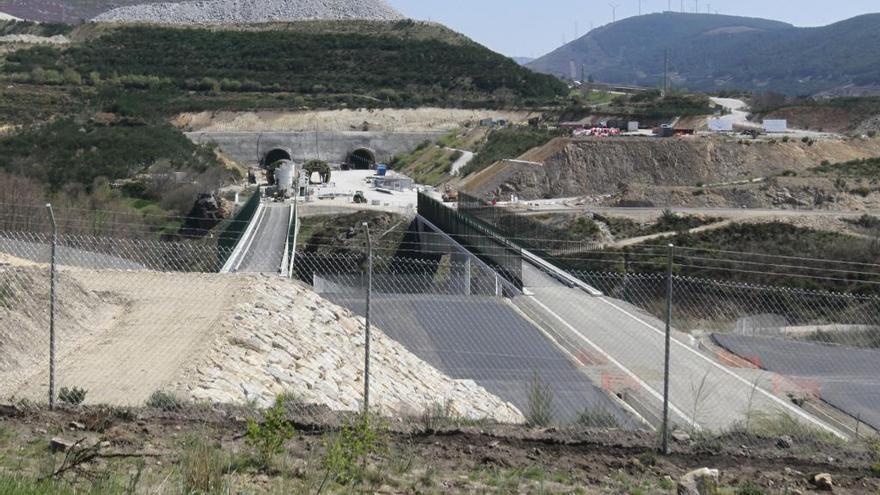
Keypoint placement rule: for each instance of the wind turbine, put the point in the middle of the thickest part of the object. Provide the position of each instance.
(613, 11)
(708, 8)
(640, 7)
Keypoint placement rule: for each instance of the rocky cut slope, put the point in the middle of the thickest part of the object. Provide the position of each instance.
(248, 11)
(599, 167)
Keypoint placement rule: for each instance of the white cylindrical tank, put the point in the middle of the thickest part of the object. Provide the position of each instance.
(284, 176)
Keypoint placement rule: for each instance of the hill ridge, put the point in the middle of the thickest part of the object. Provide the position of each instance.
(717, 52)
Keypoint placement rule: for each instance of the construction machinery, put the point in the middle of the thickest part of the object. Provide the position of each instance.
(450, 195)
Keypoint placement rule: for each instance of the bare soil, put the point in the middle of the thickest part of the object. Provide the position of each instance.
(391, 120)
(449, 460)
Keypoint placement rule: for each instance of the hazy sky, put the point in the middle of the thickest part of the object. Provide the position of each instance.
(534, 27)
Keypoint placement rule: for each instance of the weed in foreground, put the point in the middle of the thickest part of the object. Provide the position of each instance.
(539, 397)
(72, 396)
(202, 467)
(166, 401)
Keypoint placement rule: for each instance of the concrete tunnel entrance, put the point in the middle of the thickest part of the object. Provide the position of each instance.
(362, 159)
(275, 155)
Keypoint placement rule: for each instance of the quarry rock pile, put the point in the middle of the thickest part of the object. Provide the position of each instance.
(249, 11)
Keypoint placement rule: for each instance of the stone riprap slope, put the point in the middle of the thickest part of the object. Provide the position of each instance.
(287, 339)
(249, 11)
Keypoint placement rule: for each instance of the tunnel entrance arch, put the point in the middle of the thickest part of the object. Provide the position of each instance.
(276, 154)
(362, 159)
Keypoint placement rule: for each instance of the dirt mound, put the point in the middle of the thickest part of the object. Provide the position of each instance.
(24, 318)
(247, 11)
(122, 335)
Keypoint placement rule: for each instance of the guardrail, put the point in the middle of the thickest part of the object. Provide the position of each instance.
(244, 242)
(560, 274)
(229, 238)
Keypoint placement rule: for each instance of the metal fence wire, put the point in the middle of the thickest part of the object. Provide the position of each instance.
(155, 323)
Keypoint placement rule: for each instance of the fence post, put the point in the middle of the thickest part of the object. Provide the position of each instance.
(467, 276)
(367, 319)
(669, 262)
(52, 309)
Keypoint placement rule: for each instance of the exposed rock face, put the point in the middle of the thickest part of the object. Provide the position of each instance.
(591, 167)
(249, 11)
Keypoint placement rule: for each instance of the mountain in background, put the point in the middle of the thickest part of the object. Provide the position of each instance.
(523, 60)
(717, 52)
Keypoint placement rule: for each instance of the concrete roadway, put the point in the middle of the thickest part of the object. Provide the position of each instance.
(624, 348)
(267, 250)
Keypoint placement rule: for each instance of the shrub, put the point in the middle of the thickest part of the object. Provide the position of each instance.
(268, 438)
(166, 401)
(861, 191)
(539, 397)
(345, 455)
(73, 396)
(872, 134)
(597, 418)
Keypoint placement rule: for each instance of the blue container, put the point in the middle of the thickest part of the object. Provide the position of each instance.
(381, 170)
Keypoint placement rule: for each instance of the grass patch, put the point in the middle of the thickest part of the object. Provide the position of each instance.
(202, 467)
(427, 164)
(508, 143)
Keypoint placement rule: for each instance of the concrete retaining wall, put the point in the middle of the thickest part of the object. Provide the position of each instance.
(334, 147)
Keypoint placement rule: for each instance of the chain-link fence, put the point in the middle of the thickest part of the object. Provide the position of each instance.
(155, 322)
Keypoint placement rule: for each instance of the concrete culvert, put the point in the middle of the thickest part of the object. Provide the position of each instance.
(362, 159)
(276, 155)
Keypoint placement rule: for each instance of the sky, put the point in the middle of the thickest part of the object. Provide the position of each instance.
(531, 28)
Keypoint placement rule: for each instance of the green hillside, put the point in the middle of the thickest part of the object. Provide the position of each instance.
(362, 63)
(87, 123)
(715, 52)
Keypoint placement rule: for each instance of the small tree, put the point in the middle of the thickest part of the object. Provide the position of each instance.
(319, 166)
(269, 437)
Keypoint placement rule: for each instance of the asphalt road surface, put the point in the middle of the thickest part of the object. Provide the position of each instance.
(486, 340)
(848, 378)
(267, 250)
(624, 346)
(67, 256)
